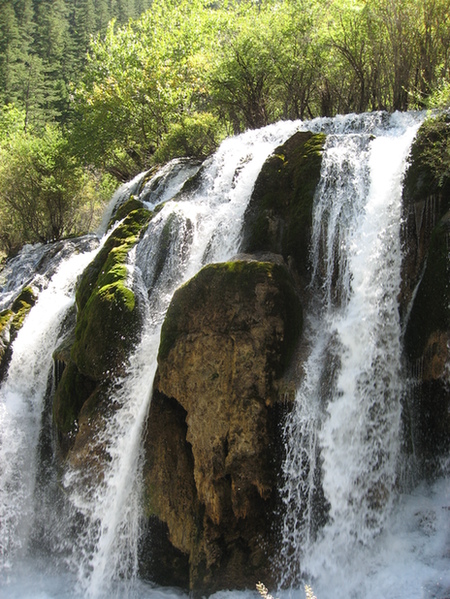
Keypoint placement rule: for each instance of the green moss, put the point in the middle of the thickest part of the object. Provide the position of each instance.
(5, 318)
(72, 392)
(13, 317)
(129, 206)
(280, 211)
(431, 309)
(112, 254)
(27, 297)
(106, 329)
(11, 321)
(429, 170)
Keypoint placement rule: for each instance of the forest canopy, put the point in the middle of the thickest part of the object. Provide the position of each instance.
(121, 85)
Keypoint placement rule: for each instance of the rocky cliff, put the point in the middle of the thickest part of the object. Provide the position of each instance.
(425, 294)
(213, 439)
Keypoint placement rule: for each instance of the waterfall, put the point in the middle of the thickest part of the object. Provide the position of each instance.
(343, 437)
(23, 395)
(190, 230)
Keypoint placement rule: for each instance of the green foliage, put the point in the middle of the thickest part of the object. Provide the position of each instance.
(12, 122)
(142, 89)
(44, 194)
(175, 79)
(196, 135)
(158, 87)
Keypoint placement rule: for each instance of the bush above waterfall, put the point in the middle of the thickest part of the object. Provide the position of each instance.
(45, 195)
(178, 78)
(184, 74)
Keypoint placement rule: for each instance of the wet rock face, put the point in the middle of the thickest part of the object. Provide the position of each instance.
(11, 321)
(278, 218)
(425, 293)
(212, 445)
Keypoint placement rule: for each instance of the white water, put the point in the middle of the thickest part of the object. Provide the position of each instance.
(202, 227)
(343, 436)
(101, 560)
(22, 401)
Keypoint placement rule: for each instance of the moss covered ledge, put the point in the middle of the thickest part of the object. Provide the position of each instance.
(107, 326)
(11, 321)
(279, 216)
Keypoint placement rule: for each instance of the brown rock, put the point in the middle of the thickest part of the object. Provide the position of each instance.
(212, 443)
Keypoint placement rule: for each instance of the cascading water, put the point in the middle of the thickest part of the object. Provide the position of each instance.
(332, 504)
(23, 395)
(343, 437)
(188, 232)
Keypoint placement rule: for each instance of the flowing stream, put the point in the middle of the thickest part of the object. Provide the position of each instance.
(343, 440)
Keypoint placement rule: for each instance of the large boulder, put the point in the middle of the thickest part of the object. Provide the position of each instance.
(425, 293)
(213, 442)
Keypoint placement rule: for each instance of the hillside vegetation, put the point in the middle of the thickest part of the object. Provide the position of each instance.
(93, 91)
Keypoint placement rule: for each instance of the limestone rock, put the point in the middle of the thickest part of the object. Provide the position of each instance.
(213, 443)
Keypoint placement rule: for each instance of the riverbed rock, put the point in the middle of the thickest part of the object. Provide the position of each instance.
(213, 443)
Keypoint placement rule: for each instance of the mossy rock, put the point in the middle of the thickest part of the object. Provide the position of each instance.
(279, 216)
(213, 427)
(108, 319)
(121, 240)
(429, 170)
(426, 199)
(107, 327)
(106, 330)
(431, 308)
(72, 392)
(11, 321)
(124, 210)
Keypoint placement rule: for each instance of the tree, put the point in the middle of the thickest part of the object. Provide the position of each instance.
(9, 50)
(44, 195)
(140, 81)
(242, 78)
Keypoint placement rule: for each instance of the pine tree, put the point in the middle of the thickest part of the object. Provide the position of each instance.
(9, 50)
